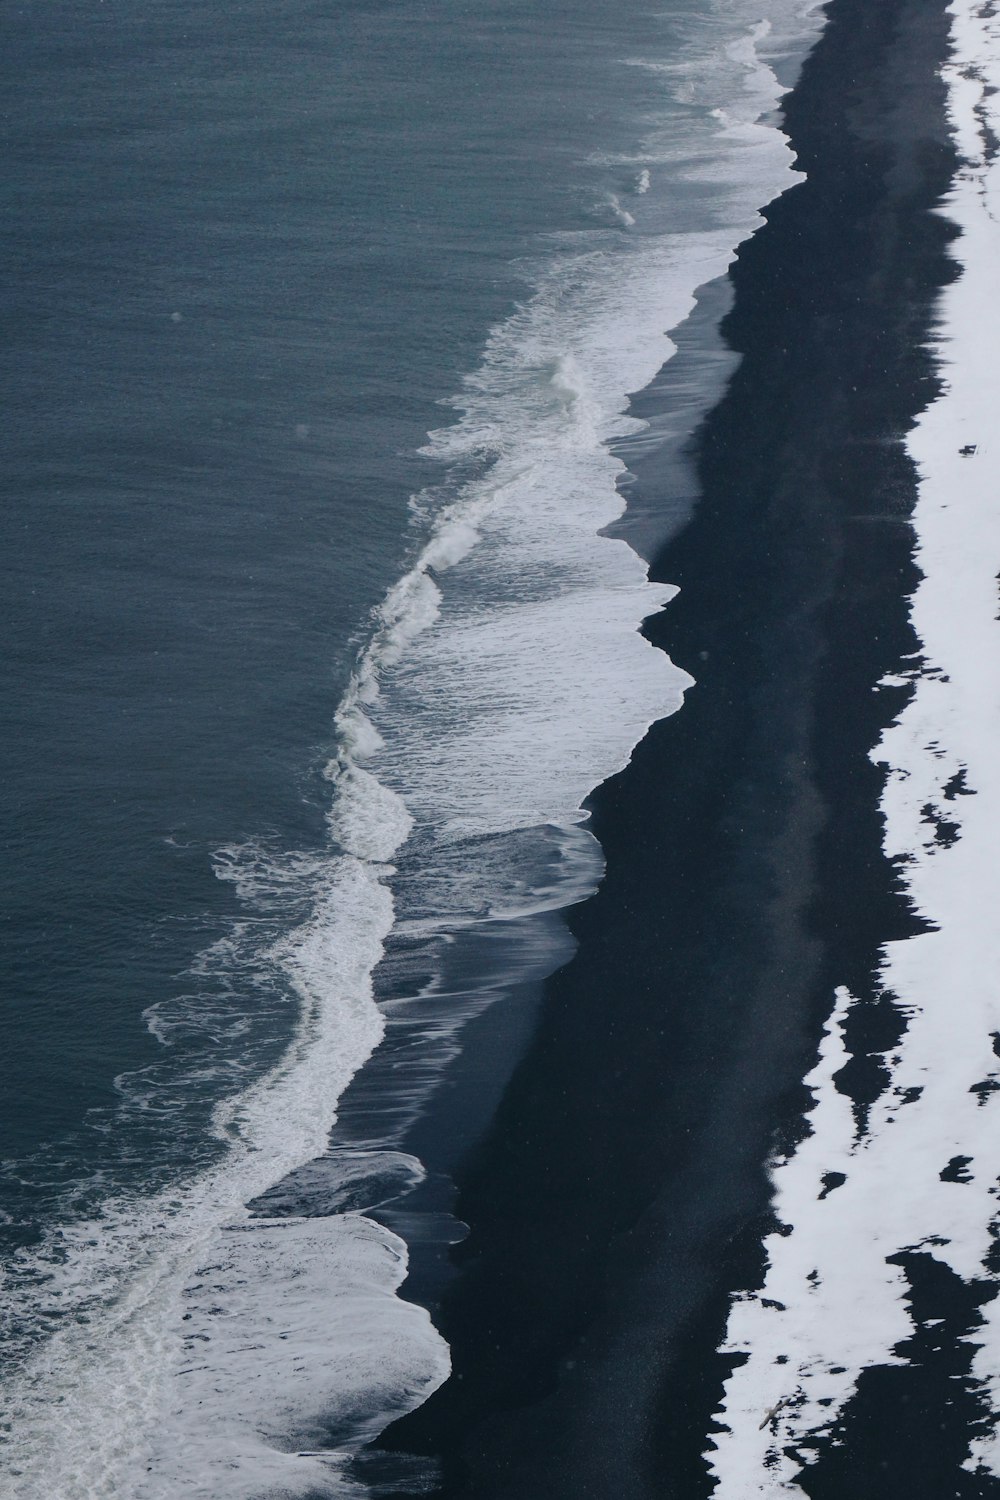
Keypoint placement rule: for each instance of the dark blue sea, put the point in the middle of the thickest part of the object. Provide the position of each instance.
(319, 626)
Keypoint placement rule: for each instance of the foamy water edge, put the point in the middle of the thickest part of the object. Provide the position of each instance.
(202, 1350)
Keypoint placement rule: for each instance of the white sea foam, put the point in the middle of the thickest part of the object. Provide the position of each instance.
(622, 215)
(158, 1299)
(832, 1305)
(196, 1349)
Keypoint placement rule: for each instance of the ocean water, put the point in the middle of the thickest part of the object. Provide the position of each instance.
(322, 324)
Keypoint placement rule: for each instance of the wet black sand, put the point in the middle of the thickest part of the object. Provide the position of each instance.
(619, 1194)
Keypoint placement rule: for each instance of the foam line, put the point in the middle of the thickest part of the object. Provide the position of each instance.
(197, 1349)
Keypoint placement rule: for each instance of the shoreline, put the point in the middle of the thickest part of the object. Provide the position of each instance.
(621, 1194)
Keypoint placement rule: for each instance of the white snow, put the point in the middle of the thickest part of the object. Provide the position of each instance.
(832, 1305)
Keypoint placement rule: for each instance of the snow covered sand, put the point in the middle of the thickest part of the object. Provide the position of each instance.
(862, 1196)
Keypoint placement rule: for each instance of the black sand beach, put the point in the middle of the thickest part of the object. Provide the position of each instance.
(619, 1195)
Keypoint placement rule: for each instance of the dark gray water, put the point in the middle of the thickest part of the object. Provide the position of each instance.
(250, 253)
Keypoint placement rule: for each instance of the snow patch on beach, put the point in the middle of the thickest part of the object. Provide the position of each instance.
(920, 1174)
